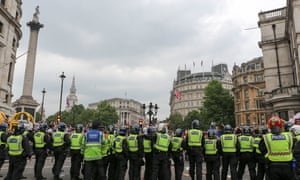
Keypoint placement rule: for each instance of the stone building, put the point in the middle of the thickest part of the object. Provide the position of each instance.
(188, 88)
(10, 35)
(280, 45)
(72, 98)
(248, 90)
(129, 111)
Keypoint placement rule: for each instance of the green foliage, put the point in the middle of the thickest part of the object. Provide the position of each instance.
(175, 121)
(218, 105)
(106, 113)
(79, 115)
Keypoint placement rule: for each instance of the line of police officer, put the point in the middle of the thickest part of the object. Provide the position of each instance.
(106, 156)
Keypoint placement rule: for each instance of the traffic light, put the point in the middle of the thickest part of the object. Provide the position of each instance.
(141, 123)
(58, 119)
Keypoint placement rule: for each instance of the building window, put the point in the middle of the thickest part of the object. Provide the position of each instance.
(245, 80)
(246, 94)
(14, 43)
(260, 92)
(248, 120)
(259, 78)
(1, 27)
(9, 72)
(3, 2)
(260, 104)
(257, 66)
(247, 105)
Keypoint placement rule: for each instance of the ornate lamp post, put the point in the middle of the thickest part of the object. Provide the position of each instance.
(152, 111)
(62, 77)
(42, 106)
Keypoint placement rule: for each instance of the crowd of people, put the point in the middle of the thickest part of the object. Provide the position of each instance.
(100, 152)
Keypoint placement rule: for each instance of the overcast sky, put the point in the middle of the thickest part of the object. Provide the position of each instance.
(134, 47)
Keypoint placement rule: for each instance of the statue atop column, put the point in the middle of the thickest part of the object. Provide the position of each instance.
(36, 15)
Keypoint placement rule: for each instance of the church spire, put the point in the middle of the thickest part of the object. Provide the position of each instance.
(72, 97)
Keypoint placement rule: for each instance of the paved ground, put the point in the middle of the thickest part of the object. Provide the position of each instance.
(65, 175)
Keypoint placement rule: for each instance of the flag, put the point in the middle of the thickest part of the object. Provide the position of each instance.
(202, 63)
(68, 102)
(178, 95)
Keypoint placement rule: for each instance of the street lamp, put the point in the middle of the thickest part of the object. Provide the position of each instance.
(152, 111)
(277, 59)
(62, 77)
(42, 106)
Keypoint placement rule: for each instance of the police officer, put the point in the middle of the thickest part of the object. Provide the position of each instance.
(111, 155)
(148, 152)
(121, 154)
(246, 156)
(18, 150)
(230, 147)
(259, 158)
(296, 152)
(3, 138)
(194, 145)
(161, 157)
(61, 143)
(277, 148)
(135, 155)
(41, 144)
(92, 154)
(212, 149)
(177, 153)
(76, 139)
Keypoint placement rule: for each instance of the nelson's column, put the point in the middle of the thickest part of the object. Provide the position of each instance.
(26, 102)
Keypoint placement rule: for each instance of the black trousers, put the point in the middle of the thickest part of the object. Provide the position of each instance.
(178, 164)
(148, 166)
(134, 166)
(112, 167)
(3, 155)
(40, 158)
(195, 157)
(121, 166)
(246, 158)
(229, 159)
(261, 166)
(59, 160)
(94, 170)
(76, 160)
(280, 171)
(16, 167)
(161, 166)
(212, 167)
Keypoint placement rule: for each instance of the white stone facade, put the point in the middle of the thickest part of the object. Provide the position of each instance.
(10, 35)
(129, 110)
(191, 88)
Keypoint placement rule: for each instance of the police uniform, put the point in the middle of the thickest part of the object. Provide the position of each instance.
(121, 155)
(135, 155)
(111, 155)
(177, 155)
(212, 158)
(92, 155)
(194, 144)
(76, 140)
(18, 150)
(148, 156)
(230, 148)
(259, 159)
(3, 149)
(246, 156)
(41, 144)
(60, 143)
(161, 159)
(277, 149)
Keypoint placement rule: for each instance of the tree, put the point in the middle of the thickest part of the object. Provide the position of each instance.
(192, 115)
(218, 105)
(106, 113)
(175, 121)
